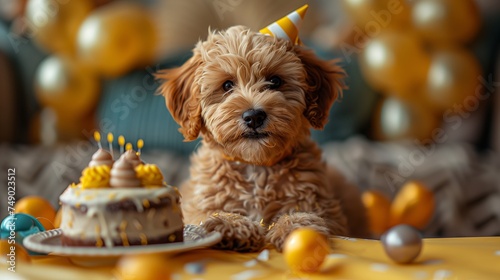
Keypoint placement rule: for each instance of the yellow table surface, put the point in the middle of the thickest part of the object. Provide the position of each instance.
(441, 258)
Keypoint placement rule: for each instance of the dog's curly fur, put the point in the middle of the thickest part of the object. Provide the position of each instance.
(256, 191)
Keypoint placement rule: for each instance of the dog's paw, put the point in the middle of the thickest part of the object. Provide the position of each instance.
(285, 224)
(239, 233)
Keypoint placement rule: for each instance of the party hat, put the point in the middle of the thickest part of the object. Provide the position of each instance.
(287, 27)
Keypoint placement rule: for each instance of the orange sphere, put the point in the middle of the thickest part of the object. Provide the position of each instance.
(67, 87)
(305, 250)
(413, 205)
(38, 207)
(395, 119)
(13, 252)
(452, 77)
(446, 21)
(143, 267)
(55, 24)
(117, 38)
(378, 211)
(372, 15)
(394, 62)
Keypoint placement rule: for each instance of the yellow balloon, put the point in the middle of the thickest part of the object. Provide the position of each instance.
(394, 62)
(117, 38)
(395, 120)
(55, 23)
(70, 89)
(377, 208)
(372, 15)
(446, 21)
(452, 77)
(413, 205)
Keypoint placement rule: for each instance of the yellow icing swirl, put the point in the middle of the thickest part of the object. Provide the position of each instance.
(95, 177)
(149, 174)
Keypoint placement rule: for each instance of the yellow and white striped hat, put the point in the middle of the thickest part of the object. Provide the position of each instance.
(287, 27)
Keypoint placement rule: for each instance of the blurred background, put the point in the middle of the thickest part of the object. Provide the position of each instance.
(423, 99)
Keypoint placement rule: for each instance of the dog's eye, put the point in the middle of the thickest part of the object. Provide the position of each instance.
(227, 85)
(275, 82)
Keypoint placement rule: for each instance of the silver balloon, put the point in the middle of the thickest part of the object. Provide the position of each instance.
(402, 243)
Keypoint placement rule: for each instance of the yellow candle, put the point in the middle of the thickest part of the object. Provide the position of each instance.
(140, 144)
(128, 147)
(97, 138)
(121, 142)
(110, 143)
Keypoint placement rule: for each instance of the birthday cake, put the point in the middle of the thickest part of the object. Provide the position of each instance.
(120, 203)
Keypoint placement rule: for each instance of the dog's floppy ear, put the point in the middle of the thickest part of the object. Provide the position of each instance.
(182, 96)
(324, 84)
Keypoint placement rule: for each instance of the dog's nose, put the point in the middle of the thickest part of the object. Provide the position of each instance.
(254, 118)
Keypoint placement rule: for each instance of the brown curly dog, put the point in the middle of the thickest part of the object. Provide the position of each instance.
(257, 174)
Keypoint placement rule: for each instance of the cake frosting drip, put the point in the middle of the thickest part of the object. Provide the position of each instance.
(123, 175)
(149, 174)
(101, 157)
(95, 177)
(132, 157)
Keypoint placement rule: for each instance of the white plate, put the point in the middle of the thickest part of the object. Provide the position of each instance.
(49, 242)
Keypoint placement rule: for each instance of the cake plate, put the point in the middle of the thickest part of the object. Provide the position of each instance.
(49, 242)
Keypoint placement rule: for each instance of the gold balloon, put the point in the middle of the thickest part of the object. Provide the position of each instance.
(373, 15)
(116, 38)
(55, 24)
(413, 205)
(446, 21)
(395, 119)
(453, 75)
(70, 89)
(394, 62)
(377, 208)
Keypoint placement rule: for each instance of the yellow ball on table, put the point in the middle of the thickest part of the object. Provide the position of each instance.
(305, 250)
(142, 267)
(13, 252)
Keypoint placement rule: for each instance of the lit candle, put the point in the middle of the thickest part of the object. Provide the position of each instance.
(128, 147)
(110, 142)
(121, 142)
(97, 138)
(140, 144)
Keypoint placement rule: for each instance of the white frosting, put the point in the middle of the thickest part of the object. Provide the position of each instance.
(98, 222)
(75, 195)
